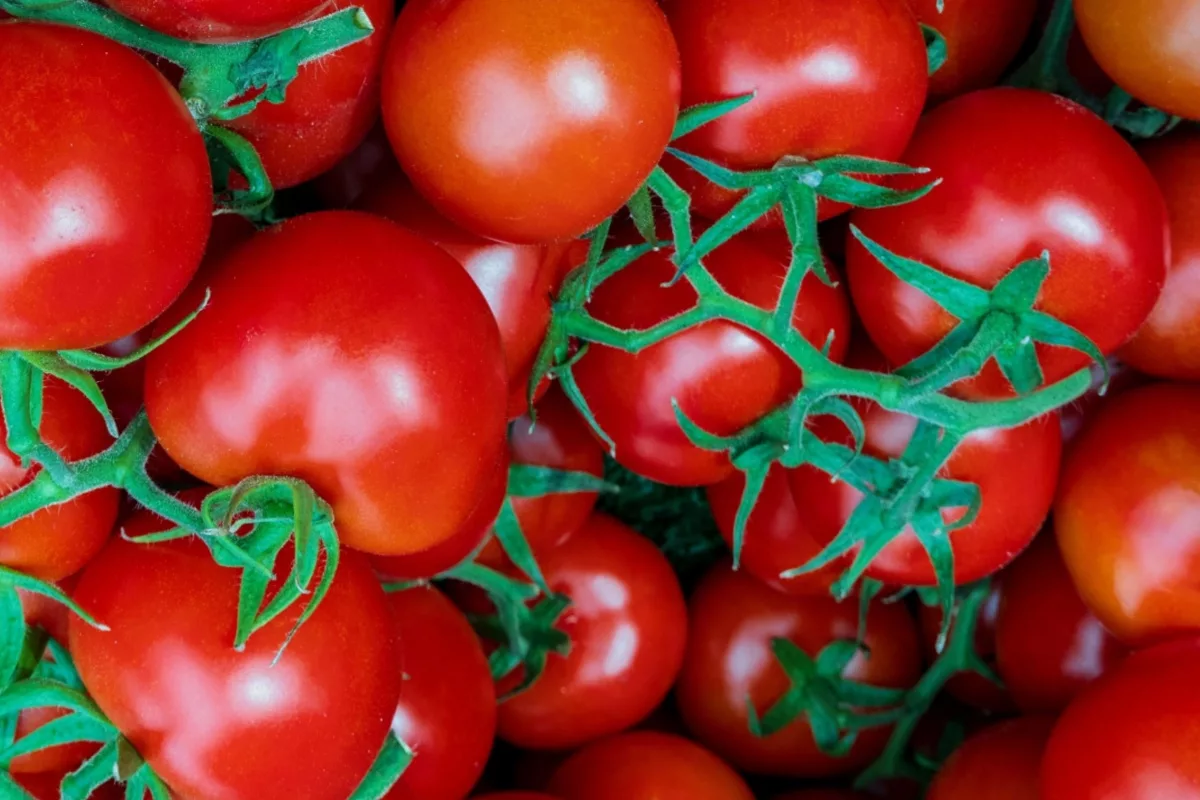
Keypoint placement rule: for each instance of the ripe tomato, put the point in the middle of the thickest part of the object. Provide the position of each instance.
(350, 378)
(998, 763)
(723, 376)
(982, 38)
(221, 724)
(530, 121)
(970, 687)
(628, 627)
(646, 765)
(1127, 513)
(729, 662)
(1168, 344)
(447, 711)
(1023, 172)
(105, 193)
(218, 20)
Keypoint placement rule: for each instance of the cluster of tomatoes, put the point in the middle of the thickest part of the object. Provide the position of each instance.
(298, 495)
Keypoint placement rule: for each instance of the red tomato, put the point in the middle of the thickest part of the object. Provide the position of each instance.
(646, 765)
(1023, 172)
(531, 121)
(447, 711)
(832, 77)
(105, 194)
(350, 178)
(1133, 734)
(982, 38)
(45, 786)
(998, 763)
(218, 20)
(729, 662)
(1128, 513)
(724, 376)
(628, 628)
(325, 354)
(1075, 416)
(330, 106)
(211, 720)
(1168, 345)
(970, 687)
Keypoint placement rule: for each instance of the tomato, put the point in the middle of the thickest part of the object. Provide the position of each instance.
(628, 628)
(519, 281)
(46, 613)
(447, 711)
(970, 687)
(1022, 172)
(998, 763)
(326, 354)
(831, 77)
(776, 537)
(982, 38)
(1077, 415)
(724, 376)
(1127, 511)
(105, 193)
(531, 121)
(218, 20)
(733, 620)
(1167, 345)
(45, 786)
(1133, 734)
(345, 183)
(211, 720)
(646, 765)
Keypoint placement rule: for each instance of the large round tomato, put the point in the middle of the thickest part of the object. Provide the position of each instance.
(970, 687)
(723, 376)
(733, 620)
(628, 628)
(1168, 344)
(346, 351)
(998, 763)
(1022, 172)
(982, 37)
(530, 121)
(1128, 513)
(646, 765)
(218, 20)
(221, 724)
(105, 194)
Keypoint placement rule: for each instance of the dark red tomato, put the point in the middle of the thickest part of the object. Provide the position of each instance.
(776, 538)
(218, 20)
(1048, 645)
(1168, 345)
(998, 763)
(350, 178)
(330, 106)
(733, 620)
(519, 281)
(1133, 734)
(647, 765)
(832, 77)
(1023, 172)
(210, 720)
(970, 687)
(106, 198)
(532, 121)
(515, 796)
(1128, 513)
(325, 354)
(628, 628)
(45, 786)
(982, 38)
(447, 711)
(724, 376)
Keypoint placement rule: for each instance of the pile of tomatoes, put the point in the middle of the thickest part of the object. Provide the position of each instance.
(600, 399)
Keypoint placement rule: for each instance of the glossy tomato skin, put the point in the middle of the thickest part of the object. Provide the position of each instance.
(106, 197)
(218, 21)
(733, 619)
(533, 121)
(447, 710)
(209, 719)
(723, 376)
(982, 38)
(998, 763)
(970, 687)
(1126, 513)
(647, 765)
(628, 629)
(1168, 345)
(350, 378)
(1022, 172)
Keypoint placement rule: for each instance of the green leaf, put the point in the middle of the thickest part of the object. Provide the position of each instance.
(94, 773)
(389, 766)
(935, 47)
(642, 212)
(83, 381)
(1018, 290)
(512, 539)
(756, 478)
(40, 693)
(697, 435)
(861, 194)
(722, 176)
(12, 632)
(862, 165)
(62, 730)
(959, 298)
(11, 577)
(700, 115)
(931, 532)
(91, 360)
(532, 480)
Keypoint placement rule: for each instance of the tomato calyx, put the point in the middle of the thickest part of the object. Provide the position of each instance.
(390, 765)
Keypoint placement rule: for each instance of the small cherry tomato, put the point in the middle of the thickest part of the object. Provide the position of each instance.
(998, 763)
(982, 38)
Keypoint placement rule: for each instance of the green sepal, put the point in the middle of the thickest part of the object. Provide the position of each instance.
(700, 115)
(11, 577)
(12, 633)
(62, 730)
(935, 47)
(756, 478)
(91, 360)
(389, 766)
(532, 480)
(11, 790)
(92, 774)
(508, 532)
(84, 382)
(641, 210)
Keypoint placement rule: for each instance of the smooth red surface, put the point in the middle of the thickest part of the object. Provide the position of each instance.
(982, 38)
(219, 20)
(970, 687)
(999, 763)
(105, 193)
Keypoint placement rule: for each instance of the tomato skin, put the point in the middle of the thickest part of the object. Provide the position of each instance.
(218, 21)
(723, 376)
(999, 763)
(1167, 345)
(646, 765)
(970, 687)
(253, 387)
(1023, 172)
(585, 93)
(733, 618)
(96, 139)
(628, 629)
(1126, 513)
(982, 38)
